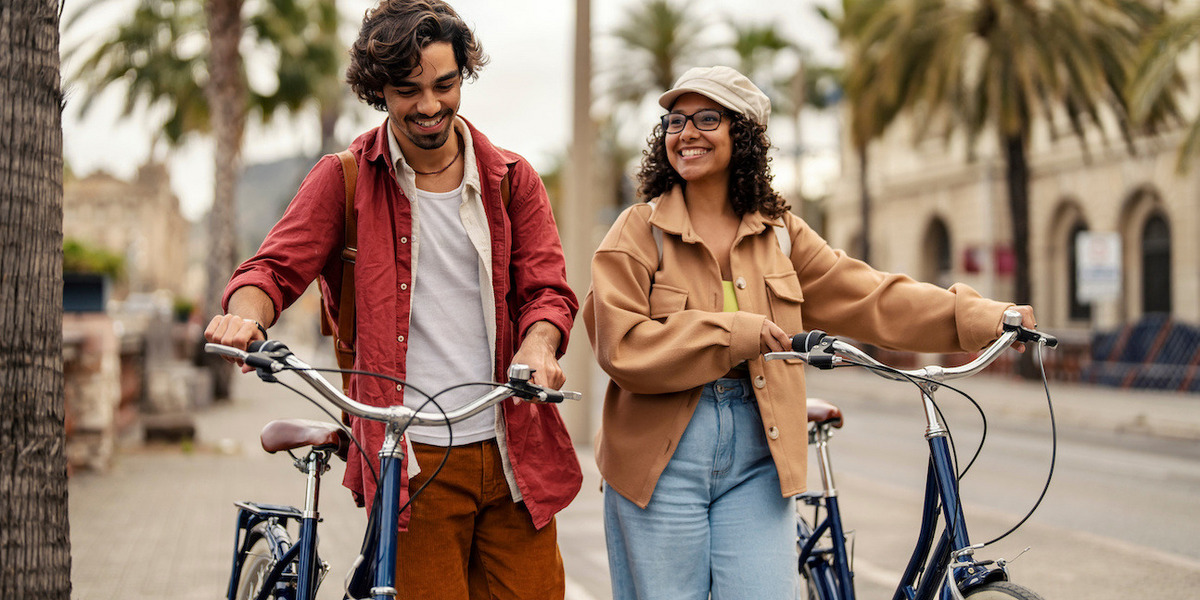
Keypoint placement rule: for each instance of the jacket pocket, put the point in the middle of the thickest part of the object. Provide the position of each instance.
(786, 298)
(666, 300)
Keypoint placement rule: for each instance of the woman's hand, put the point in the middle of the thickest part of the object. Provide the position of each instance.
(1028, 321)
(773, 339)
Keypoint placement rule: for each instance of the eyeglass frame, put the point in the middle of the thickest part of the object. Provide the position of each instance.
(721, 114)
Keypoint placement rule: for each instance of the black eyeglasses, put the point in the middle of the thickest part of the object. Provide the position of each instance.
(704, 120)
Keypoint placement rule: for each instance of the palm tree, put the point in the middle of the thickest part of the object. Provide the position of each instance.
(185, 56)
(659, 40)
(757, 45)
(35, 557)
(997, 66)
(1158, 75)
(873, 108)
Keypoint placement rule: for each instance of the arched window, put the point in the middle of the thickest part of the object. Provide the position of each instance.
(937, 264)
(1076, 310)
(1156, 265)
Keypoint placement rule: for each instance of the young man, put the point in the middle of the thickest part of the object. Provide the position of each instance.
(453, 284)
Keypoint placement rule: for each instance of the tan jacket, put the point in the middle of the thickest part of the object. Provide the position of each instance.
(659, 332)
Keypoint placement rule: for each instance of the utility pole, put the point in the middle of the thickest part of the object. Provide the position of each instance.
(579, 214)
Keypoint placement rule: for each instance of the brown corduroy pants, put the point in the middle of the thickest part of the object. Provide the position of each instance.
(468, 540)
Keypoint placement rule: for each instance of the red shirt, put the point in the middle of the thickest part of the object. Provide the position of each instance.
(529, 281)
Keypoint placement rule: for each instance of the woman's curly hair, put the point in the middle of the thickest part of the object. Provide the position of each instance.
(749, 169)
(391, 40)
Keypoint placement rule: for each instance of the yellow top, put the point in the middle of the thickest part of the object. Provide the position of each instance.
(731, 304)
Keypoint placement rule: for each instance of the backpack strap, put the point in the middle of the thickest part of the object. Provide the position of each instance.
(505, 189)
(343, 339)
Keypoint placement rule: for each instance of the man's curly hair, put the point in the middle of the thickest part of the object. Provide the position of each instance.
(391, 40)
(749, 169)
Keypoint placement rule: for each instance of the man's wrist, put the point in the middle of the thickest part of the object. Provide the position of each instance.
(546, 333)
(260, 327)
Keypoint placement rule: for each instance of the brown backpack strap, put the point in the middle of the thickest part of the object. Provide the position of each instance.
(343, 342)
(505, 189)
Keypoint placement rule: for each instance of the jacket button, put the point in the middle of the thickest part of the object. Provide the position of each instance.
(404, 286)
(403, 240)
(760, 382)
(773, 433)
(740, 283)
(400, 339)
(399, 387)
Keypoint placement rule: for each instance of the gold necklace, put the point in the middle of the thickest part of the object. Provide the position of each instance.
(443, 169)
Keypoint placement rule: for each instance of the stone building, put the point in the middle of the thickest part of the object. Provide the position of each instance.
(139, 220)
(939, 212)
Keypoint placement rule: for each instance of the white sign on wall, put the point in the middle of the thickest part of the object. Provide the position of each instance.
(1097, 266)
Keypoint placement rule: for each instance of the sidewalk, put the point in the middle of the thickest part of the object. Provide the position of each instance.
(161, 522)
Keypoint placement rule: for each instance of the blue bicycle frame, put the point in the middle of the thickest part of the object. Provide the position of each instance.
(829, 566)
(947, 571)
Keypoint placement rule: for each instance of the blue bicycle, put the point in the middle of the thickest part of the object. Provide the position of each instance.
(267, 562)
(947, 571)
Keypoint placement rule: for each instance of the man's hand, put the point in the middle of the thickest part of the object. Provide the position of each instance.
(538, 352)
(235, 331)
(249, 309)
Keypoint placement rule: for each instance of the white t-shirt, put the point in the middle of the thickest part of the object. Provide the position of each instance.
(447, 336)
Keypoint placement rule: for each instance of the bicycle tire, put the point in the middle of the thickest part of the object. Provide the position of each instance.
(1002, 590)
(260, 559)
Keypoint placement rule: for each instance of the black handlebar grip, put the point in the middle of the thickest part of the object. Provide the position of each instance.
(256, 345)
(259, 361)
(553, 395)
(807, 340)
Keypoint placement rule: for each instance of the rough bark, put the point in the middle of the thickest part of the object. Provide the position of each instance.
(227, 98)
(1017, 175)
(35, 544)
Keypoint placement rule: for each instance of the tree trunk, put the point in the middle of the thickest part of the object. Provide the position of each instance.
(35, 543)
(864, 205)
(1017, 177)
(227, 98)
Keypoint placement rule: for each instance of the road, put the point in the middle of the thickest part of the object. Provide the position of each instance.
(1120, 520)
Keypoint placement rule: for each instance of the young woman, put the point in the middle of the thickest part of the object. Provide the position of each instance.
(703, 443)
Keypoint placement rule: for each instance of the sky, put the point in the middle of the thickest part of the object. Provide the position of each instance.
(521, 100)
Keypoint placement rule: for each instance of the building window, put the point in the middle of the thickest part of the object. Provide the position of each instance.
(1156, 266)
(1077, 311)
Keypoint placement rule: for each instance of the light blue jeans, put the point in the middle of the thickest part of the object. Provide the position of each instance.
(716, 522)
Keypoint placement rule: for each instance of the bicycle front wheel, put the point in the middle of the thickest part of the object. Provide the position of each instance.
(1002, 590)
(260, 559)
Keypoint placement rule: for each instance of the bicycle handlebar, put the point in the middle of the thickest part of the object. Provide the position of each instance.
(825, 351)
(272, 356)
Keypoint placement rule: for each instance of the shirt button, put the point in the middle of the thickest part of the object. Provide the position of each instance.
(404, 286)
(400, 338)
(760, 382)
(399, 387)
(740, 283)
(403, 240)
(773, 433)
